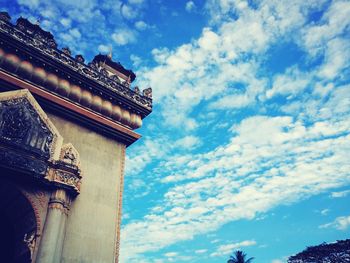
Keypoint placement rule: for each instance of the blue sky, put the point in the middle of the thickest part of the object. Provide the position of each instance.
(248, 143)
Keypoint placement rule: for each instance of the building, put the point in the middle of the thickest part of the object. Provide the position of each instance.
(64, 128)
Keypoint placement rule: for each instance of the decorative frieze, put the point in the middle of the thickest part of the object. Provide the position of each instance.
(76, 93)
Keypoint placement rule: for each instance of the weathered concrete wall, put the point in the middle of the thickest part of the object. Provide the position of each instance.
(92, 221)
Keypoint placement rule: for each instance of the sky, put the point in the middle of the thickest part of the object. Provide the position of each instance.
(248, 143)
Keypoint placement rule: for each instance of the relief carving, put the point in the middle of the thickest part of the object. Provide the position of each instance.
(67, 178)
(24, 124)
(70, 155)
(20, 125)
(14, 124)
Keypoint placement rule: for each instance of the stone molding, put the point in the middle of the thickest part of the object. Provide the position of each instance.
(121, 187)
(65, 88)
(60, 200)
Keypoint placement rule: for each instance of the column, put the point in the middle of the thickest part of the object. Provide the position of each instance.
(51, 243)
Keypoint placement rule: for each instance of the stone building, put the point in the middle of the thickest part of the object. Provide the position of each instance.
(64, 128)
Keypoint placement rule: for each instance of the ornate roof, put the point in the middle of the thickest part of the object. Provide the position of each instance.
(115, 65)
(32, 36)
(97, 94)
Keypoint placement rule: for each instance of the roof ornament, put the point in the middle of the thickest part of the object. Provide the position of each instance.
(147, 92)
(67, 51)
(109, 52)
(4, 16)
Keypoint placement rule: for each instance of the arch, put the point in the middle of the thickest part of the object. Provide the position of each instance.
(18, 225)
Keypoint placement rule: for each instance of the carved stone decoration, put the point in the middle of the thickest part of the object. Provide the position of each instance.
(70, 155)
(30, 240)
(66, 51)
(15, 123)
(4, 16)
(33, 36)
(30, 143)
(66, 171)
(23, 162)
(20, 125)
(36, 31)
(147, 92)
(79, 58)
(24, 126)
(67, 178)
(116, 79)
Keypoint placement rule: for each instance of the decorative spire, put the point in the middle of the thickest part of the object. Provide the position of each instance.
(110, 52)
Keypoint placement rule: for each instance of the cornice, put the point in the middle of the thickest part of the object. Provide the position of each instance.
(42, 52)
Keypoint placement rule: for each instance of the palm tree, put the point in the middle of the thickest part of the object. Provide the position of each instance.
(239, 257)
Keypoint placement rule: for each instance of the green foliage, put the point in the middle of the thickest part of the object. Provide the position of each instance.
(239, 257)
(338, 252)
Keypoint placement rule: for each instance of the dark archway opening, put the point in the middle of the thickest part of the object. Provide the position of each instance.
(17, 225)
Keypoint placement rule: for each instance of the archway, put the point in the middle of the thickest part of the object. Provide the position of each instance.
(18, 225)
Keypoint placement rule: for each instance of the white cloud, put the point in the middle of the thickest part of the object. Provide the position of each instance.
(333, 23)
(136, 61)
(104, 49)
(218, 57)
(340, 223)
(48, 13)
(232, 101)
(340, 194)
(136, 2)
(188, 142)
(277, 153)
(324, 212)
(290, 83)
(66, 22)
(30, 3)
(190, 6)
(171, 254)
(129, 12)
(91, 24)
(75, 33)
(336, 59)
(229, 248)
(248, 176)
(141, 25)
(124, 36)
(71, 37)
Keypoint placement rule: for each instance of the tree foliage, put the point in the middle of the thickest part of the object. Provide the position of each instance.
(239, 257)
(338, 252)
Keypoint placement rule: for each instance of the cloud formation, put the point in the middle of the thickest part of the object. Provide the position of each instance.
(231, 137)
(340, 223)
(290, 141)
